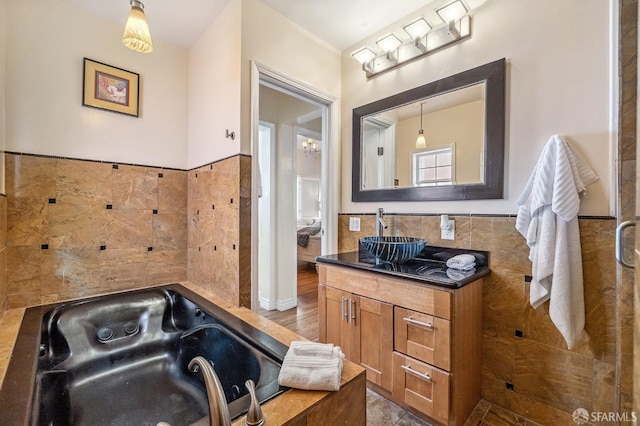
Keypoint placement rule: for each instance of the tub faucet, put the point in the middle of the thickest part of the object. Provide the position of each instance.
(218, 408)
(381, 225)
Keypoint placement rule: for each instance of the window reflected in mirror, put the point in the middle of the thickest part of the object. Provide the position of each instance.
(453, 125)
(433, 168)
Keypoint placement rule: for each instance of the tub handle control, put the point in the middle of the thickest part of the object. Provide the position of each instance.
(254, 415)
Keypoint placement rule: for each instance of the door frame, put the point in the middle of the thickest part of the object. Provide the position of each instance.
(261, 74)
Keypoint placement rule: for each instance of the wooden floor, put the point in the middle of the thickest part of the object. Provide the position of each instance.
(302, 319)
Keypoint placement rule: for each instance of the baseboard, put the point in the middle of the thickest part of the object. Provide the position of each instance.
(283, 305)
(266, 304)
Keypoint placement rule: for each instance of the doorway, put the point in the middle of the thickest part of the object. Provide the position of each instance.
(294, 212)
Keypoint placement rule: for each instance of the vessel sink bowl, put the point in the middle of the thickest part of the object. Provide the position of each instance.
(393, 249)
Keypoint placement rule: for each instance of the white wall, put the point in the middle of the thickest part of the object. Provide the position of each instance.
(46, 41)
(214, 89)
(276, 42)
(557, 82)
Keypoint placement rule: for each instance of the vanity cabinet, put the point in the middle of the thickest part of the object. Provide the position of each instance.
(419, 343)
(362, 327)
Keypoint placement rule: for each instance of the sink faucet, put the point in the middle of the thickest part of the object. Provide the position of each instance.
(218, 409)
(381, 225)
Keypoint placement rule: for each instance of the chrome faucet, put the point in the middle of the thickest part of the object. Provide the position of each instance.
(381, 225)
(218, 408)
(254, 415)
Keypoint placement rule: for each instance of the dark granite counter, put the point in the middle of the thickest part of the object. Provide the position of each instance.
(430, 266)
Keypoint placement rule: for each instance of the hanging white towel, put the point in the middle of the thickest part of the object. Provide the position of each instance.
(548, 219)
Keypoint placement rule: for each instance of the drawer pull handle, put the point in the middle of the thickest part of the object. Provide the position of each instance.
(344, 311)
(416, 322)
(410, 370)
(352, 311)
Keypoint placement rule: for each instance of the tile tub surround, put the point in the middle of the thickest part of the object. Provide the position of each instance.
(533, 376)
(219, 229)
(294, 407)
(3, 254)
(77, 228)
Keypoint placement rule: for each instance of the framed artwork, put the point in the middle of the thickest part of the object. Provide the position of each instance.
(110, 88)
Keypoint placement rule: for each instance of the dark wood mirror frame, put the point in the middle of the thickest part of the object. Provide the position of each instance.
(493, 75)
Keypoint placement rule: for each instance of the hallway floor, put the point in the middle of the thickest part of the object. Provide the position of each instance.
(303, 320)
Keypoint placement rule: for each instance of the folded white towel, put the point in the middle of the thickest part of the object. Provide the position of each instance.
(303, 347)
(462, 262)
(312, 372)
(456, 274)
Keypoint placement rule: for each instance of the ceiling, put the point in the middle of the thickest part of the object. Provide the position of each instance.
(340, 23)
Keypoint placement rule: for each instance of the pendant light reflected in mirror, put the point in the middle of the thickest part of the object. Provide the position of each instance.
(421, 142)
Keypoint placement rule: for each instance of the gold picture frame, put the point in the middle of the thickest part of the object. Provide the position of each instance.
(110, 88)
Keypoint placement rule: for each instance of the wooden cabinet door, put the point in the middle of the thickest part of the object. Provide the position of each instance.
(333, 311)
(374, 331)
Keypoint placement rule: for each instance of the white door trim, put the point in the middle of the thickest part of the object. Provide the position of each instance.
(330, 158)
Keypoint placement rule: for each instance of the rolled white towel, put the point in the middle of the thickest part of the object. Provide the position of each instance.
(309, 372)
(462, 262)
(303, 347)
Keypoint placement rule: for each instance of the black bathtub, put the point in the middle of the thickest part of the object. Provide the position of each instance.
(122, 359)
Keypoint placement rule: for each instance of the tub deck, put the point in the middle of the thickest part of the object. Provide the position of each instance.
(294, 407)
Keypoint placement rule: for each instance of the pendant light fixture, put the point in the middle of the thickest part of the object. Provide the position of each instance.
(421, 142)
(136, 33)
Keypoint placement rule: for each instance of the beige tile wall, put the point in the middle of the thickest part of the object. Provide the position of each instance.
(549, 381)
(219, 229)
(3, 254)
(77, 228)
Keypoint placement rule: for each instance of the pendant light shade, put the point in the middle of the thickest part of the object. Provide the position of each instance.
(421, 142)
(136, 33)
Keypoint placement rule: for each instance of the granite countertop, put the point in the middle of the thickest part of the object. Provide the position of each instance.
(286, 408)
(429, 267)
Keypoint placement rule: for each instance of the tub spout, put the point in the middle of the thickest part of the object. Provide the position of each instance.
(218, 409)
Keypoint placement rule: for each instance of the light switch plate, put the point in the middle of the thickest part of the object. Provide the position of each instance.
(354, 224)
(449, 234)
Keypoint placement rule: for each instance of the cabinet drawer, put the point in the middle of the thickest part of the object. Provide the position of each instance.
(421, 386)
(422, 336)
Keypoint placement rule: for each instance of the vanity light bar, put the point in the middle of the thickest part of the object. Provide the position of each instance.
(363, 55)
(389, 43)
(434, 40)
(455, 26)
(418, 28)
(452, 12)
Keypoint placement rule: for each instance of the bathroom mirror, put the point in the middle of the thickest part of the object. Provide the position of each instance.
(463, 121)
